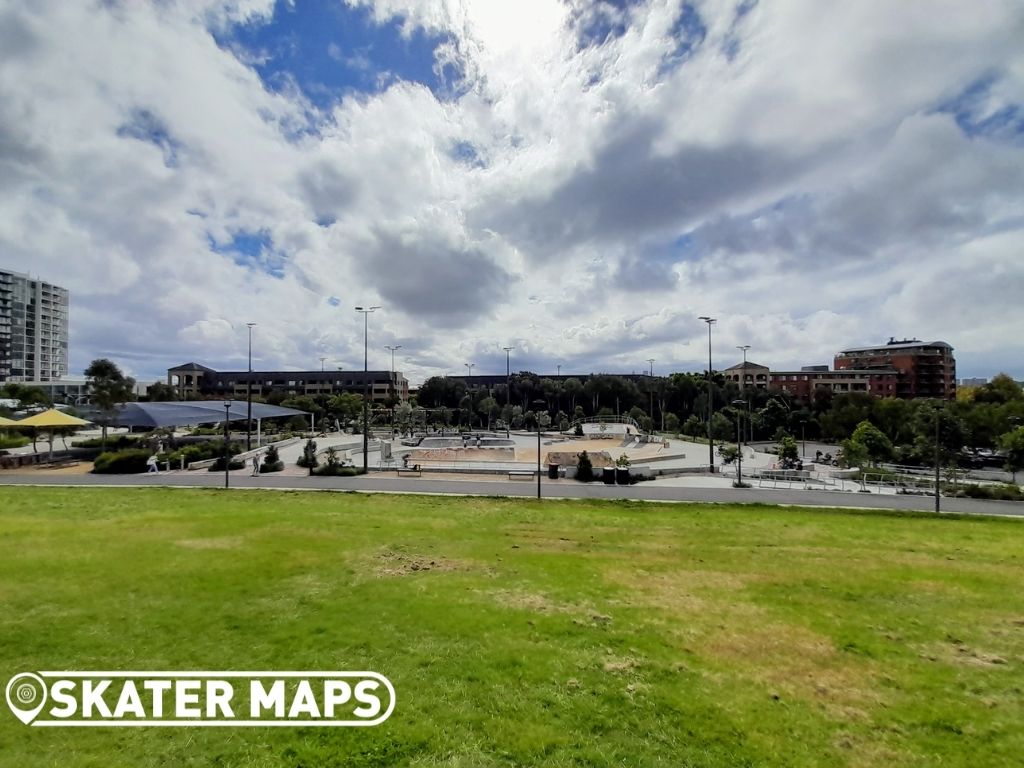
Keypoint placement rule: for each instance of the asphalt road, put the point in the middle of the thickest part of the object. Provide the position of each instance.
(528, 489)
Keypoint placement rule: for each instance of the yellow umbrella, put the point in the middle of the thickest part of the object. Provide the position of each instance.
(6, 422)
(51, 419)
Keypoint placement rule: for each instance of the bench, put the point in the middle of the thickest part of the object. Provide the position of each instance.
(409, 471)
(516, 474)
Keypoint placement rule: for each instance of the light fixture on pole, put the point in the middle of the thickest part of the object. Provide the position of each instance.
(469, 416)
(559, 367)
(650, 388)
(938, 418)
(743, 386)
(366, 381)
(711, 442)
(739, 442)
(248, 395)
(227, 458)
(537, 405)
(322, 361)
(391, 384)
(508, 390)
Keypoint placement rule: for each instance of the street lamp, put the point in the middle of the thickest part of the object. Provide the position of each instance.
(938, 416)
(366, 382)
(508, 390)
(227, 460)
(248, 395)
(739, 442)
(469, 416)
(650, 388)
(559, 374)
(743, 386)
(537, 405)
(322, 361)
(711, 441)
(392, 349)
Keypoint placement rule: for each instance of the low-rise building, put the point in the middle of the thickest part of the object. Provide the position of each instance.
(193, 380)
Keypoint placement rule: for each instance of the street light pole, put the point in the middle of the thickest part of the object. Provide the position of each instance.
(248, 395)
(739, 442)
(711, 441)
(391, 383)
(366, 382)
(227, 458)
(938, 414)
(743, 388)
(650, 390)
(508, 390)
(469, 419)
(537, 405)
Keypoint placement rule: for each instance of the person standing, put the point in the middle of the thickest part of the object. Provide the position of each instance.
(151, 464)
(255, 466)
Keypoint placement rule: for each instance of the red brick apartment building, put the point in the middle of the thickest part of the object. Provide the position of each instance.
(924, 368)
(905, 369)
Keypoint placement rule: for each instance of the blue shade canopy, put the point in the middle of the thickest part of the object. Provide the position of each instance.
(188, 412)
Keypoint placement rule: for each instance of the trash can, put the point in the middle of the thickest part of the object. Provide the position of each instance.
(622, 475)
(608, 475)
(552, 471)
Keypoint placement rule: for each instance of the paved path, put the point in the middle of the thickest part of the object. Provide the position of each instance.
(387, 483)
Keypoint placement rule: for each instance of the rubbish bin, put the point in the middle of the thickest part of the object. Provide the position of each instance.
(622, 475)
(608, 475)
(552, 471)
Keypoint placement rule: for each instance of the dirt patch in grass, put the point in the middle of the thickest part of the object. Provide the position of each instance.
(220, 542)
(531, 601)
(393, 563)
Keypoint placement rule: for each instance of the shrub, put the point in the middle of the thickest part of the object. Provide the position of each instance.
(14, 441)
(1002, 492)
(271, 461)
(218, 465)
(114, 443)
(121, 462)
(336, 470)
(308, 458)
(579, 431)
(584, 468)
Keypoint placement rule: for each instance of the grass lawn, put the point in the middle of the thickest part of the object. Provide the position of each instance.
(528, 633)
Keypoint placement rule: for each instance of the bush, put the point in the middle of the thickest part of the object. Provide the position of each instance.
(584, 468)
(114, 443)
(1003, 492)
(336, 470)
(578, 431)
(308, 458)
(121, 462)
(218, 465)
(14, 441)
(271, 461)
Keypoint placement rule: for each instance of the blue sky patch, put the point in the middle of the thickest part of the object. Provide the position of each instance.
(252, 249)
(973, 112)
(329, 50)
(146, 126)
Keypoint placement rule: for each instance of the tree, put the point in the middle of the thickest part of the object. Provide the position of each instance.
(108, 387)
(722, 428)
(671, 423)
(1002, 389)
(877, 447)
(159, 392)
(584, 468)
(788, 450)
(854, 454)
(694, 426)
(1013, 444)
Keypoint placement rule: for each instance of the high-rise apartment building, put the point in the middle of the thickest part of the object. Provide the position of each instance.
(33, 329)
(924, 368)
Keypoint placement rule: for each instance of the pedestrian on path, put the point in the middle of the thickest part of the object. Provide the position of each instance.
(255, 466)
(151, 464)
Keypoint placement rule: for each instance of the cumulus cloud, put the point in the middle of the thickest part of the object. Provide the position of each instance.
(578, 179)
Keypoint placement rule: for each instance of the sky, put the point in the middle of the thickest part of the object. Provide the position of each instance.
(580, 180)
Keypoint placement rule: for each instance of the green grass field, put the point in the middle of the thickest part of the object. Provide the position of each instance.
(528, 633)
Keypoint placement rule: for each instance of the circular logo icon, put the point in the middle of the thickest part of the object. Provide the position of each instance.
(26, 695)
